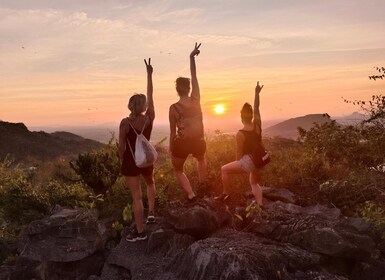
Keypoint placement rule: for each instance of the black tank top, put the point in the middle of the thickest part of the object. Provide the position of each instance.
(251, 137)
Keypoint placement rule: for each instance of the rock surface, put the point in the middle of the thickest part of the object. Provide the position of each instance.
(199, 219)
(318, 229)
(284, 241)
(68, 244)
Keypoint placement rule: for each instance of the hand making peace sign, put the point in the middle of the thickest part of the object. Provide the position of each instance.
(148, 66)
(196, 50)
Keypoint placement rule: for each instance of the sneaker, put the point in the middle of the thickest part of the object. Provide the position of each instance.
(134, 236)
(222, 197)
(150, 218)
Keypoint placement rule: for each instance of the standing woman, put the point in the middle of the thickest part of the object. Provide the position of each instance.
(186, 128)
(246, 138)
(141, 118)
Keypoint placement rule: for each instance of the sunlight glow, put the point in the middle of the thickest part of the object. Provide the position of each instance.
(219, 109)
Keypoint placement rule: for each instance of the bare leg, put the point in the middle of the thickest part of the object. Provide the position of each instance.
(133, 183)
(226, 171)
(150, 192)
(255, 187)
(181, 176)
(202, 169)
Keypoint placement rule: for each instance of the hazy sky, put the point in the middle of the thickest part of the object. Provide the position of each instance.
(78, 62)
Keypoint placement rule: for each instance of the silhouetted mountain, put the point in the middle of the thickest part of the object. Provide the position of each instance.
(351, 119)
(20, 143)
(289, 128)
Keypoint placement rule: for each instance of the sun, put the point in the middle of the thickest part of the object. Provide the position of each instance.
(219, 109)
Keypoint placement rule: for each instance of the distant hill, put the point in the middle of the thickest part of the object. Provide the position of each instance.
(288, 128)
(20, 143)
(351, 119)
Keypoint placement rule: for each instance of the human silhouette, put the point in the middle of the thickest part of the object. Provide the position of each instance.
(245, 139)
(186, 128)
(142, 114)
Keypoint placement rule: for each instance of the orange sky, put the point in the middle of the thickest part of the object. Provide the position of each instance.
(78, 62)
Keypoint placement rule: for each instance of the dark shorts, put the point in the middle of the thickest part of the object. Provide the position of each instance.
(184, 147)
(129, 168)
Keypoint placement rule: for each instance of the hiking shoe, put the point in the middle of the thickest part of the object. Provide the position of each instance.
(134, 236)
(150, 218)
(222, 197)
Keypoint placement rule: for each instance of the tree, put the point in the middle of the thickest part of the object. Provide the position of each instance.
(374, 108)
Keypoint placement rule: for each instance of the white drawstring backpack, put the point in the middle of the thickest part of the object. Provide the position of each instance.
(145, 154)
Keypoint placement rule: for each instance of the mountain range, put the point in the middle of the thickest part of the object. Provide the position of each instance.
(289, 128)
(18, 143)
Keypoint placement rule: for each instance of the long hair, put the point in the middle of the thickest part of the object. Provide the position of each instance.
(247, 113)
(137, 105)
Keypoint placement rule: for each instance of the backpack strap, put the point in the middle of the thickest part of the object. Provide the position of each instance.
(144, 126)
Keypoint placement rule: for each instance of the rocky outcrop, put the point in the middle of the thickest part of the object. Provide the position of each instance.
(69, 244)
(284, 241)
(199, 219)
(318, 229)
(236, 255)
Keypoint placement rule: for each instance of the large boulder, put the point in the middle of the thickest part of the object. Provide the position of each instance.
(199, 219)
(318, 229)
(66, 245)
(278, 194)
(234, 255)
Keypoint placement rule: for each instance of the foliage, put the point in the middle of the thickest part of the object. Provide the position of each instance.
(99, 169)
(380, 75)
(127, 213)
(357, 188)
(249, 216)
(55, 170)
(374, 108)
(375, 214)
(116, 229)
(115, 200)
(21, 201)
(69, 195)
(93, 201)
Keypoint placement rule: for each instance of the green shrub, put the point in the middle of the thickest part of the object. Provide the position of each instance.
(69, 195)
(21, 203)
(99, 169)
(115, 200)
(374, 213)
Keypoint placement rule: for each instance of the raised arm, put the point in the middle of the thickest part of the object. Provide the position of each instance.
(195, 92)
(257, 115)
(150, 109)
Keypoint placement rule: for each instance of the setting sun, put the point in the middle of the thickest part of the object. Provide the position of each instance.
(219, 109)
